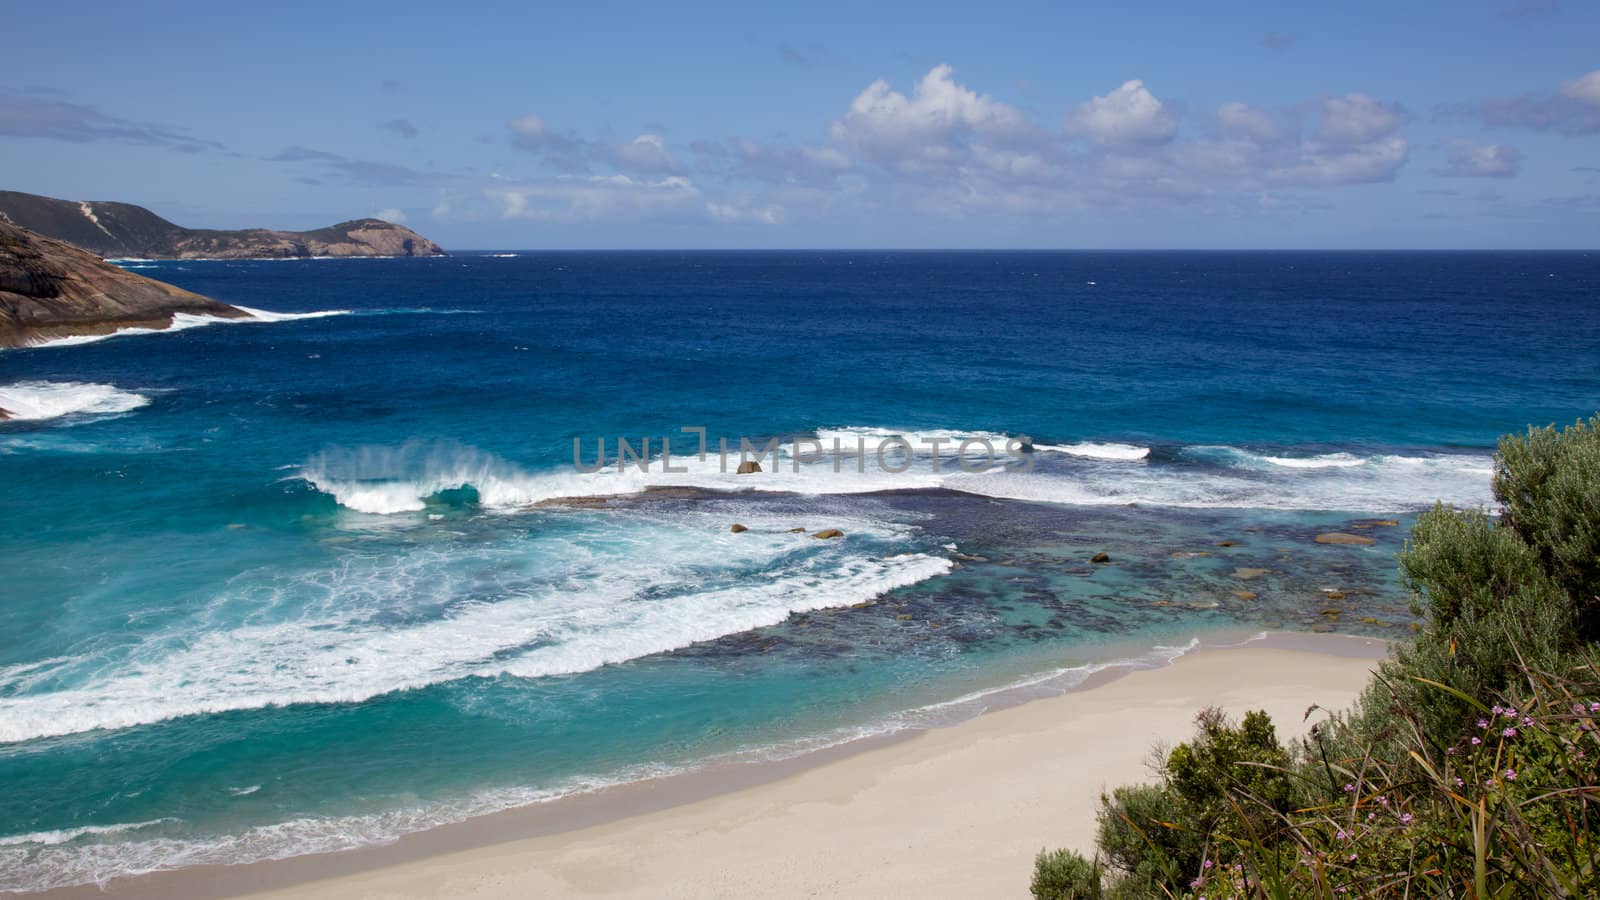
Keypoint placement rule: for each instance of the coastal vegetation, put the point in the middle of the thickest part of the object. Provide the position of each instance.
(1467, 768)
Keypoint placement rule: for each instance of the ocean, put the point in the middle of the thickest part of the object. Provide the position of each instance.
(318, 581)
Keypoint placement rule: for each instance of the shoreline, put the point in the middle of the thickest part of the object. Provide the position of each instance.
(524, 847)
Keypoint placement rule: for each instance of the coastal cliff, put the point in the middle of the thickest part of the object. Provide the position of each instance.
(122, 230)
(51, 289)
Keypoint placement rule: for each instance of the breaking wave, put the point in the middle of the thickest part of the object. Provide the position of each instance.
(38, 400)
(591, 601)
(389, 480)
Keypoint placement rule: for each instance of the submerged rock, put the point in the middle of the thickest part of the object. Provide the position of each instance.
(827, 533)
(1339, 537)
(1248, 574)
(1245, 595)
(1101, 557)
(797, 531)
(1227, 543)
(738, 529)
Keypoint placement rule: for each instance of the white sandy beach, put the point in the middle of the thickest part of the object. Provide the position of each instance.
(952, 812)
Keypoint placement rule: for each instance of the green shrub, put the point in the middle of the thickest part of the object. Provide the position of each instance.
(1065, 875)
(1549, 483)
(1471, 764)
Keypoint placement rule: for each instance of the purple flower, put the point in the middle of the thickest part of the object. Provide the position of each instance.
(1459, 782)
(1384, 800)
(1510, 732)
(1449, 751)
(1197, 883)
(1371, 816)
(1349, 788)
(1342, 836)
(1476, 742)
(1483, 723)
(1595, 706)
(1527, 721)
(1511, 712)
(1208, 863)
(1511, 774)
(1405, 818)
(1498, 709)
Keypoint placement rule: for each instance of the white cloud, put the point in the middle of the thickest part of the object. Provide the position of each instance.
(391, 215)
(1364, 163)
(1357, 119)
(1469, 159)
(1241, 120)
(1129, 115)
(1584, 88)
(646, 154)
(932, 128)
(594, 198)
(1572, 110)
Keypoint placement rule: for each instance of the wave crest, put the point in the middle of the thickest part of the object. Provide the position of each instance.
(39, 400)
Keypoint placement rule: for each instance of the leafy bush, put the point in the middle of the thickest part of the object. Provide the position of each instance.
(1469, 765)
(1065, 875)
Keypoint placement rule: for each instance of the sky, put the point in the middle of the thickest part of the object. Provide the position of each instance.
(1357, 124)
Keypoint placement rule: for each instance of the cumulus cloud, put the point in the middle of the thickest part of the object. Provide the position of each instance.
(1573, 109)
(1129, 115)
(1468, 159)
(593, 198)
(1241, 120)
(391, 214)
(646, 154)
(1357, 119)
(935, 127)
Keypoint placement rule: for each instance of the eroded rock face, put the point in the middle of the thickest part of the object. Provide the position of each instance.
(116, 230)
(51, 289)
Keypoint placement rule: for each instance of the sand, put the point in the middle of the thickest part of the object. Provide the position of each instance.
(952, 812)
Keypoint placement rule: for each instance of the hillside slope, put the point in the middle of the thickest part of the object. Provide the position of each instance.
(122, 230)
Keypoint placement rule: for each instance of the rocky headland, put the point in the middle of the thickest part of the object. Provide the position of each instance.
(124, 231)
(50, 289)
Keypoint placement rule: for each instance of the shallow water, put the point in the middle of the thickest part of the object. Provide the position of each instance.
(278, 587)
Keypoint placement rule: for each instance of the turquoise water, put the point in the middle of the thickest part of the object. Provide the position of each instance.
(283, 587)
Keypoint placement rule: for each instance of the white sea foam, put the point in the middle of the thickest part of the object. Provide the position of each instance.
(67, 835)
(37, 400)
(1093, 450)
(630, 586)
(389, 480)
(43, 865)
(185, 321)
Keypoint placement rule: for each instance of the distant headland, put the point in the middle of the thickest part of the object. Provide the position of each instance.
(122, 230)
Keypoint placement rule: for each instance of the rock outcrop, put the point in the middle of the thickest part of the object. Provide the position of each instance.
(1339, 537)
(122, 230)
(51, 289)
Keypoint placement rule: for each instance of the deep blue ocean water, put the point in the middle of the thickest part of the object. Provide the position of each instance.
(282, 587)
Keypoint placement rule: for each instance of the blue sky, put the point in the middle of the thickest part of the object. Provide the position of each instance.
(1163, 124)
